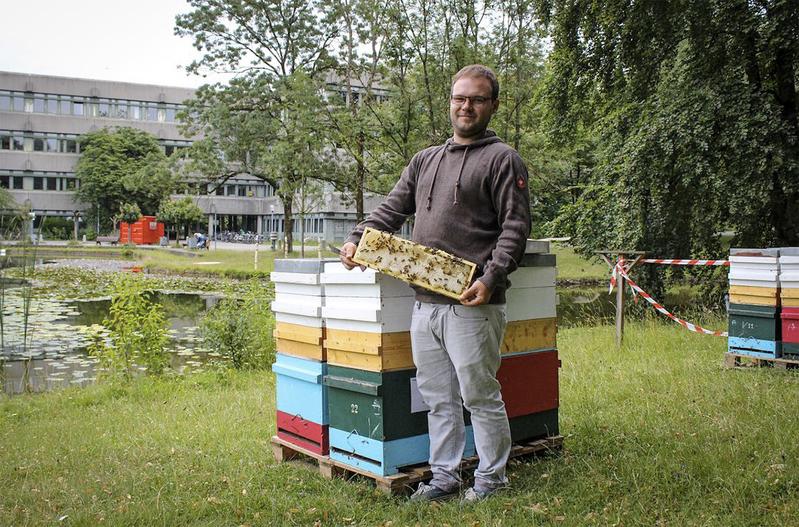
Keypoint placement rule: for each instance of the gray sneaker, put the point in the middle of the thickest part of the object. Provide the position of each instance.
(473, 495)
(427, 492)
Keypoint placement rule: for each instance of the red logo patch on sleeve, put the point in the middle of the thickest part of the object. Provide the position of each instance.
(520, 182)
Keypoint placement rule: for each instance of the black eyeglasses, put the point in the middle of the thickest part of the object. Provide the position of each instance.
(477, 100)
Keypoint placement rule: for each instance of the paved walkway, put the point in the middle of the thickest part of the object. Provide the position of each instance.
(227, 246)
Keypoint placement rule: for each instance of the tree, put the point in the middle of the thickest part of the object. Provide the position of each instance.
(119, 166)
(180, 213)
(130, 214)
(694, 109)
(265, 121)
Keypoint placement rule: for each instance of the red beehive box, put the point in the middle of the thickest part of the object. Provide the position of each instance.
(529, 382)
(144, 232)
(790, 324)
(304, 433)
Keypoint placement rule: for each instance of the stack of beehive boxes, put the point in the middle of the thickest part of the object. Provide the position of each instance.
(362, 368)
(529, 370)
(376, 421)
(300, 362)
(789, 300)
(754, 312)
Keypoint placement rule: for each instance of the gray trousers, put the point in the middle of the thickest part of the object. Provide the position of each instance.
(456, 353)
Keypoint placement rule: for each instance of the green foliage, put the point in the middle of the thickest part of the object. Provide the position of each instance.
(180, 213)
(135, 332)
(122, 166)
(240, 329)
(694, 109)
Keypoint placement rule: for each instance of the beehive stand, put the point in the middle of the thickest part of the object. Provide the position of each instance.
(735, 360)
(416, 264)
(403, 482)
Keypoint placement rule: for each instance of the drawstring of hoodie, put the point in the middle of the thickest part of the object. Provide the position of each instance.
(435, 174)
(460, 173)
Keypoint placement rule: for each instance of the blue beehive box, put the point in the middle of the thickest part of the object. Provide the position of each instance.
(384, 458)
(300, 391)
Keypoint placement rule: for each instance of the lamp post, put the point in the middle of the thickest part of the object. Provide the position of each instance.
(213, 227)
(272, 230)
(32, 216)
(76, 220)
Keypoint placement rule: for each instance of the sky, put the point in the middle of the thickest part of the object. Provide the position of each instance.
(118, 40)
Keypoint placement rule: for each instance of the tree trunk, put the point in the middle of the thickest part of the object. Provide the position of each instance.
(360, 177)
(288, 223)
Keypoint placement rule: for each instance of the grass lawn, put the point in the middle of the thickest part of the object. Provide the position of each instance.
(222, 262)
(573, 267)
(656, 434)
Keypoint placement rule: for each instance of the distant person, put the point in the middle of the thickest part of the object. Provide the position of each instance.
(470, 198)
(202, 240)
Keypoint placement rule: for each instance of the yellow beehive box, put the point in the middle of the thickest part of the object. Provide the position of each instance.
(369, 351)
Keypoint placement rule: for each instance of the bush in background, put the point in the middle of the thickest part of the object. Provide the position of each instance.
(240, 329)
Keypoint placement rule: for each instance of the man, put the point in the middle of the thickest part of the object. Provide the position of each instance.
(470, 199)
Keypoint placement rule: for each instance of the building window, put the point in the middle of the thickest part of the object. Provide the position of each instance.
(19, 103)
(28, 105)
(5, 103)
(51, 144)
(135, 112)
(4, 181)
(121, 111)
(5, 142)
(18, 143)
(171, 114)
(52, 105)
(70, 184)
(17, 181)
(242, 190)
(38, 105)
(38, 144)
(103, 109)
(152, 113)
(77, 108)
(220, 191)
(51, 183)
(38, 183)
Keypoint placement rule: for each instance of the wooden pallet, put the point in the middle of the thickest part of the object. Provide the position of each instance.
(405, 481)
(734, 360)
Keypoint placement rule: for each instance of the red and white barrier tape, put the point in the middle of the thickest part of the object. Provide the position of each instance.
(725, 263)
(619, 271)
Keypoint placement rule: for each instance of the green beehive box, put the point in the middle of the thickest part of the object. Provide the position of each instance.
(750, 321)
(790, 350)
(373, 404)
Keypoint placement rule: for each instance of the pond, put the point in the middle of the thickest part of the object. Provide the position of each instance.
(57, 333)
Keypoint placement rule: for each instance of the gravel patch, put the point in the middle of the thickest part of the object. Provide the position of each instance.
(92, 264)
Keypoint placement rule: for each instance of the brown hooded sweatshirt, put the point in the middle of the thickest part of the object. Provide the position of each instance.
(469, 200)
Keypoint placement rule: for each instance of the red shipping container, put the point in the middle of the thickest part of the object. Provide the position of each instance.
(306, 434)
(529, 382)
(790, 324)
(146, 231)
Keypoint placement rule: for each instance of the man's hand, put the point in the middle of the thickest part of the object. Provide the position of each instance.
(346, 253)
(477, 294)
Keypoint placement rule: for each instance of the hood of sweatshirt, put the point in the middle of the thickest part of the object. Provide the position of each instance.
(489, 137)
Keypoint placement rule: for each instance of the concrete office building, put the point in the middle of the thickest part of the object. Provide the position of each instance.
(42, 116)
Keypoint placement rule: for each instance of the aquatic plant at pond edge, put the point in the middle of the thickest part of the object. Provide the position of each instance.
(240, 329)
(137, 332)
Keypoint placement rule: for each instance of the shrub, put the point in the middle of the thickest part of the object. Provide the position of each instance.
(240, 329)
(136, 332)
